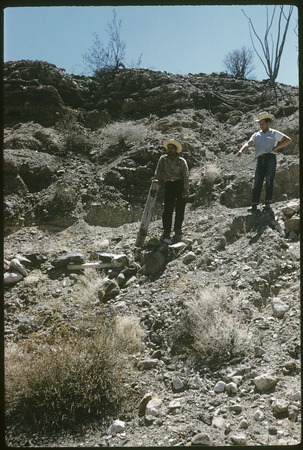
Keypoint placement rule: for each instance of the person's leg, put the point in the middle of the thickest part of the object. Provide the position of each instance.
(180, 208)
(271, 165)
(258, 181)
(169, 205)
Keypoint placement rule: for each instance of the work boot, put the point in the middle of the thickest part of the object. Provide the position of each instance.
(253, 209)
(165, 237)
(177, 237)
(268, 211)
(267, 207)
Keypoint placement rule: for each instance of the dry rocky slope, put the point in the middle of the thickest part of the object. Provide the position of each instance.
(79, 154)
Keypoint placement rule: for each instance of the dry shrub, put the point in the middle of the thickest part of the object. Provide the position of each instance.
(76, 137)
(71, 378)
(77, 141)
(129, 336)
(210, 329)
(212, 172)
(124, 133)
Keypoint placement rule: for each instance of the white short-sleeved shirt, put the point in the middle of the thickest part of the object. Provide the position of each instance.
(265, 142)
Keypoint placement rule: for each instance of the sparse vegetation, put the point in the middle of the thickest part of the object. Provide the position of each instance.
(271, 50)
(71, 377)
(76, 139)
(124, 133)
(239, 63)
(110, 57)
(212, 172)
(209, 171)
(210, 330)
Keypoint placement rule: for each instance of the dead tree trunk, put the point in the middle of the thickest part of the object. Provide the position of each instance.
(147, 213)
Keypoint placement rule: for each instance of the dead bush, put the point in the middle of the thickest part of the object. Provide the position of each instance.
(70, 378)
(124, 133)
(210, 330)
(212, 172)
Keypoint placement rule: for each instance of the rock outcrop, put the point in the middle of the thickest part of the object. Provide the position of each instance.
(101, 138)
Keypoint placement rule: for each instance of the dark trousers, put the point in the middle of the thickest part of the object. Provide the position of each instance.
(266, 168)
(173, 200)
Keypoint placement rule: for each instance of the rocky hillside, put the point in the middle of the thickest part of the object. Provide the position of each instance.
(219, 313)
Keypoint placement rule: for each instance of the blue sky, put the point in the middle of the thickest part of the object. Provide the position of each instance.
(175, 39)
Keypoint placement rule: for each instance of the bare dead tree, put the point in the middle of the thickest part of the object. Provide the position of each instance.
(239, 63)
(272, 53)
(110, 57)
(297, 34)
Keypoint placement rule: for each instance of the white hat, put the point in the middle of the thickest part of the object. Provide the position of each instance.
(174, 142)
(264, 115)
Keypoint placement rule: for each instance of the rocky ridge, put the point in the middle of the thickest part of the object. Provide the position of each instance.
(79, 154)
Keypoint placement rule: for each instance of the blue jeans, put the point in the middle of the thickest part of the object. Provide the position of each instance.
(266, 168)
(173, 200)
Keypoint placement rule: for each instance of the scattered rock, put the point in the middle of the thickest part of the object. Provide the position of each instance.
(109, 289)
(279, 307)
(64, 260)
(15, 264)
(265, 382)
(220, 387)
(12, 277)
(116, 427)
(201, 439)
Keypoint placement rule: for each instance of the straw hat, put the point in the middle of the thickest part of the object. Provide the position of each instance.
(264, 115)
(174, 142)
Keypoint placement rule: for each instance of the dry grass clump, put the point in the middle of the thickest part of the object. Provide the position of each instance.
(71, 378)
(128, 334)
(212, 172)
(124, 133)
(210, 330)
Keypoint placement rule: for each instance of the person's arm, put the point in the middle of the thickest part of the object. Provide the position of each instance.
(286, 140)
(245, 147)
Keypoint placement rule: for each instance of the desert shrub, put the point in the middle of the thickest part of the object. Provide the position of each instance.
(210, 331)
(70, 378)
(212, 172)
(128, 334)
(77, 141)
(124, 133)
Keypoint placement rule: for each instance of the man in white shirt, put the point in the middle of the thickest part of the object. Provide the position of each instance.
(267, 143)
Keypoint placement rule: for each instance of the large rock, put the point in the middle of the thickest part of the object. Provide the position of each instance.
(42, 104)
(35, 169)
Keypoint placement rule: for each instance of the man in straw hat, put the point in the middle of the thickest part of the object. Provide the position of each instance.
(267, 143)
(172, 171)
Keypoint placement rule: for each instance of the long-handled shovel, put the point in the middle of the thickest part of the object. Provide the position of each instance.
(147, 213)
